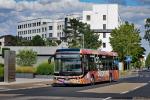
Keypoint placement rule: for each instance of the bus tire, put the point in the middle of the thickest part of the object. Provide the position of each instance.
(92, 80)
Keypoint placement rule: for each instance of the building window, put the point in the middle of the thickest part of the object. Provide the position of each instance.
(37, 30)
(62, 34)
(32, 31)
(57, 34)
(38, 23)
(104, 17)
(88, 17)
(50, 34)
(42, 35)
(104, 45)
(50, 27)
(58, 27)
(104, 26)
(42, 29)
(104, 35)
(44, 23)
(45, 36)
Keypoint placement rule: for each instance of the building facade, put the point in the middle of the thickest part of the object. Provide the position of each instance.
(103, 18)
(46, 28)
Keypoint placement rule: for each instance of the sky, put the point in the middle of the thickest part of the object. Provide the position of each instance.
(13, 11)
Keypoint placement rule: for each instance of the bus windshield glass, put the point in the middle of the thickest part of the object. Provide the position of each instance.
(68, 63)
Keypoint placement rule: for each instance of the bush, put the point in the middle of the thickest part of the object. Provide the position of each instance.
(25, 69)
(147, 62)
(1, 65)
(1, 71)
(26, 57)
(45, 69)
(3, 50)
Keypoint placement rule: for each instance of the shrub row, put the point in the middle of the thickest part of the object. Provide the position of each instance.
(45, 69)
(1, 71)
(42, 69)
(25, 69)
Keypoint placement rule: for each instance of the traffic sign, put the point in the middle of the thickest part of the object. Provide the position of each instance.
(128, 58)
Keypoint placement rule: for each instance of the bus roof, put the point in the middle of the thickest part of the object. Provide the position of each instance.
(88, 51)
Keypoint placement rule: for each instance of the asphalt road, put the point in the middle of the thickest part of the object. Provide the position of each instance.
(133, 88)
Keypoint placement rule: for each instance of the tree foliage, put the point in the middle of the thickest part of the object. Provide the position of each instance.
(147, 30)
(50, 42)
(75, 32)
(37, 41)
(26, 57)
(126, 41)
(147, 62)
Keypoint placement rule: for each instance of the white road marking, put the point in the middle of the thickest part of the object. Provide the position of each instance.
(133, 89)
(107, 98)
(124, 92)
(33, 87)
(116, 88)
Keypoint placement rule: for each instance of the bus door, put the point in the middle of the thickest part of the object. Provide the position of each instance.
(85, 64)
(103, 70)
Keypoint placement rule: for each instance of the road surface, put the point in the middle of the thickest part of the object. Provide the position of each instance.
(133, 88)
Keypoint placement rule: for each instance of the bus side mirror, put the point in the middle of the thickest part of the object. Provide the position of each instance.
(49, 59)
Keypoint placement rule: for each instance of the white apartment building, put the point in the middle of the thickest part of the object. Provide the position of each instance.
(46, 28)
(102, 19)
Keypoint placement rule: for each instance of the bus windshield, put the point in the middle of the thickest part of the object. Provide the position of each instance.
(68, 64)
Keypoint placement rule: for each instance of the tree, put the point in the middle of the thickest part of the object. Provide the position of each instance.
(147, 62)
(147, 30)
(126, 41)
(75, 32)
(37, 41)
(26, 57)
(50, 42)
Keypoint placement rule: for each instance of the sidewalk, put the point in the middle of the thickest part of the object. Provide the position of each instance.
(127, 74)
(26, 81)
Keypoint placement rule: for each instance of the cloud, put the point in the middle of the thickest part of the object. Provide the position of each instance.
(8, 4)
(18, 10)
(134, 14)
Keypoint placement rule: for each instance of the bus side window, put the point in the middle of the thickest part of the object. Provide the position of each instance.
(91, 62)
(85, 62)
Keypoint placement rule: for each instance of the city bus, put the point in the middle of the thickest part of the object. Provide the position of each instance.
(84, 66)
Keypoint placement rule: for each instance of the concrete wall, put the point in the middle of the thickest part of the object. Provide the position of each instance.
(43, 52)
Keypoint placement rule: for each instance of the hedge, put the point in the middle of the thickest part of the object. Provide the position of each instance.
(25, 69)
(45, 69)
(1, 71)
